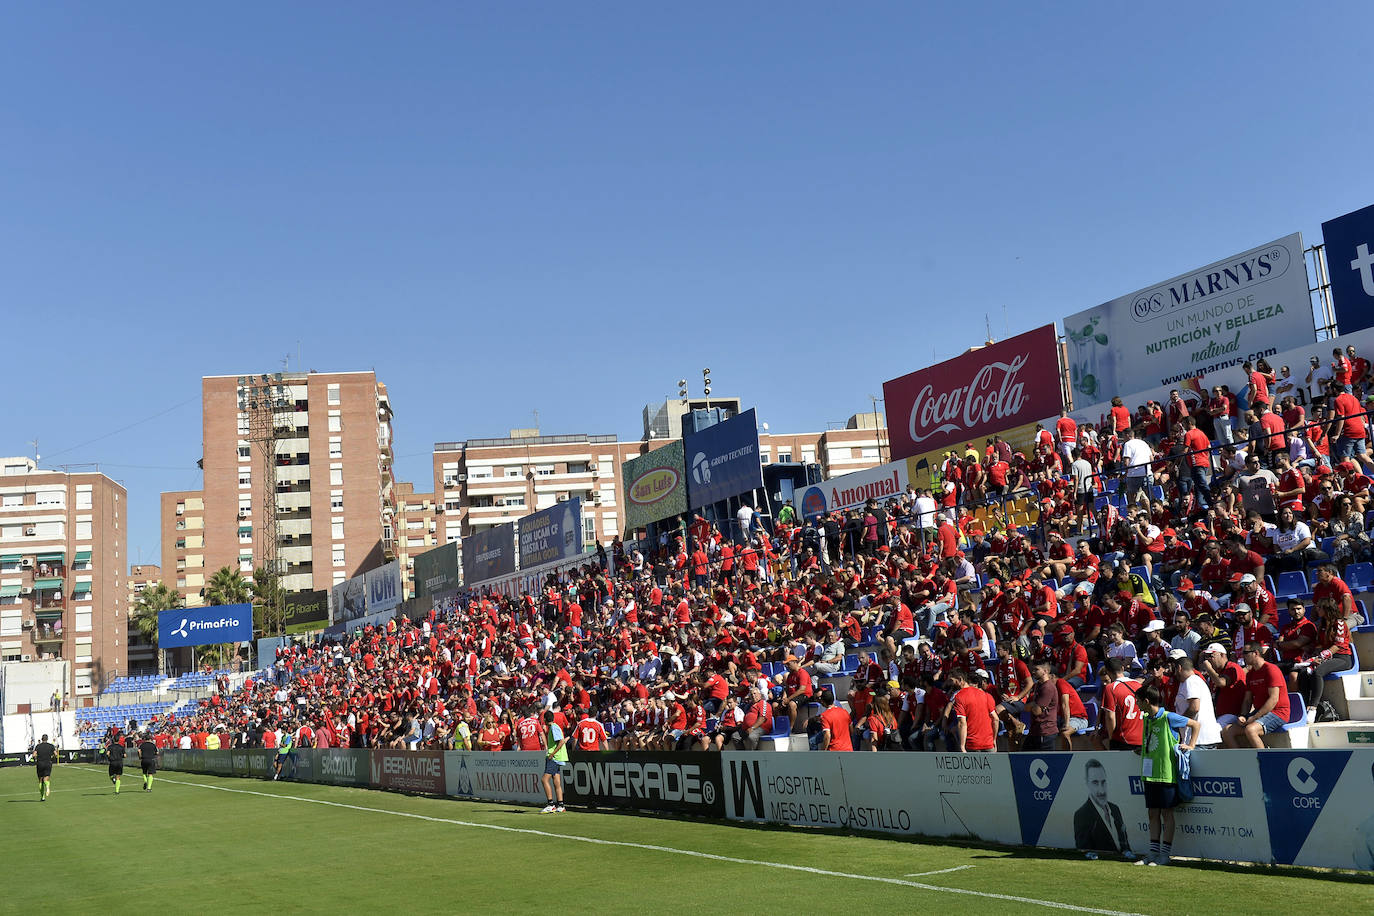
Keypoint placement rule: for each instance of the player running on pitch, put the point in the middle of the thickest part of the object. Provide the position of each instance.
(44, 756)
(116, 754)
(147, 759)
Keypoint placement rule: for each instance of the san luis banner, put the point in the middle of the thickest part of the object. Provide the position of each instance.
(655, 485)
(981, 393)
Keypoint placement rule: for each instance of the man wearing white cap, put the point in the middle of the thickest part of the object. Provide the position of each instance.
(1227, 679)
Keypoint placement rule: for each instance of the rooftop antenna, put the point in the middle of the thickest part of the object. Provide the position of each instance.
(987, 323)
(36, 456)
(536, 418)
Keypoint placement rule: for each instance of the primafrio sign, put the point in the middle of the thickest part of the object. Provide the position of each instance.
(201, 626)
(981, 393)
(1249, 305)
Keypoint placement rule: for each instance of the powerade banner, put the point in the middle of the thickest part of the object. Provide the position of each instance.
(306, 611)
(1228, 311)
(383, 588)
(347, 601)
(687, 783)
(488, 554)
(551, 534)
(202, 626)
(1349, 243)
(436, 570)
(983, 392)
(849, 490)
(723, 460)
(655, 486)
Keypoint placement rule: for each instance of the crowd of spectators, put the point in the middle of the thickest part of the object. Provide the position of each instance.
(1143, 555)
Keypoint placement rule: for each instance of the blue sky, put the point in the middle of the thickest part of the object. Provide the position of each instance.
(567, 207)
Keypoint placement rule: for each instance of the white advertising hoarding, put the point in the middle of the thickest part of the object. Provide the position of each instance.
(1198, 322)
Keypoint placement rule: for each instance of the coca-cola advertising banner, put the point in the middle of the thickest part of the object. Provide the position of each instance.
(1004, 385)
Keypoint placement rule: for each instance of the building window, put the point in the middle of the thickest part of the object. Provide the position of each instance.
(83, 649)
(336, 424)
(83, 682)
(83, 531)
(479, 472)
(512, 501)
(764, 454)
(83, 621)
(336, 530)
(336, 446)
(870, 454)
(245, 478)
(452, 505)
(784, 457)
(577, 467)
(333, 394)
(336, 477)
(338, 555)
(808, 455)
(244, 452)
(336, 502)
(52, 497)
(588, 529)
(544, 470)
(513, 471)
(83, 499)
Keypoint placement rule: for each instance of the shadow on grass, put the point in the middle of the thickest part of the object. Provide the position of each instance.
(25, 801)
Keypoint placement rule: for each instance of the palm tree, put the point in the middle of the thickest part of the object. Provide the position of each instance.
(227, 586)
(268, 606)
(143, 615)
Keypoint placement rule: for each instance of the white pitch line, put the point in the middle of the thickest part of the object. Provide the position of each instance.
(942, 871)
(668, 849)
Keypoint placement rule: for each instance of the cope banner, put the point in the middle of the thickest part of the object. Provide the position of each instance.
(1350, 261)
(1226, 313)
(203, 626)
(981, 393)
(551, 534)
(723, 460)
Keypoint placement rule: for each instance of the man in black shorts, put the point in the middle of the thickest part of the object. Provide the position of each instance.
(116, 754)
(44, 756)
(147, 759)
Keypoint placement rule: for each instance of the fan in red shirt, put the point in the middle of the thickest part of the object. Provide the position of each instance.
(1121, 721)
(589, 735)
(835, 725)
(975, 715)
(1266, 703)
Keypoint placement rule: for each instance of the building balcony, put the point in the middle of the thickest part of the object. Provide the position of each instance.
(293, 501)
(49, 601)
(48, 631)
(293, 527)
(295, 554)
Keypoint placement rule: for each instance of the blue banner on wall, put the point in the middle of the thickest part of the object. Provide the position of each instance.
(488, 554)
(383, 587)
(723, 460)
(202, 626)
(551, 534)
(1349, 243)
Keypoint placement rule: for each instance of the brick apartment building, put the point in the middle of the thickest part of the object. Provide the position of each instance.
(142, 652)
(332, 484)
(417, 530)
(63, 551)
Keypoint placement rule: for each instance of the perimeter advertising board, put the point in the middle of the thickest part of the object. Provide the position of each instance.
(383, 587)
(1243, 305)
(409, 771)
(496, 775)
(551, 534)
(307, 611)
(687, 783)
(347, 601)
(981, 393)
(488, 554)
(655, 486)
(202, 626)
(436, 571)
(850, 490)
(723, 460)
(1349, 244)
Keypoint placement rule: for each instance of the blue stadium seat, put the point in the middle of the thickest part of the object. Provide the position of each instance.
(1290, 585)
(1297, 711)
(1359, 576)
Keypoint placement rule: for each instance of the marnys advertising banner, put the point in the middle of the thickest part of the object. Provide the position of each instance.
(966, 795)
(1228, 310)
(981, 393)
(1297, 382)
(551, 534)
(495, 775)
(655, 486)
(723, 460)
(488, 554)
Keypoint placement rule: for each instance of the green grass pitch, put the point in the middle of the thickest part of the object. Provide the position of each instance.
(277, 847)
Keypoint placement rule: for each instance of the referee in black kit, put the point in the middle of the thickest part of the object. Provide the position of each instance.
(147, 759)
(44, 756)
(116, 754)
